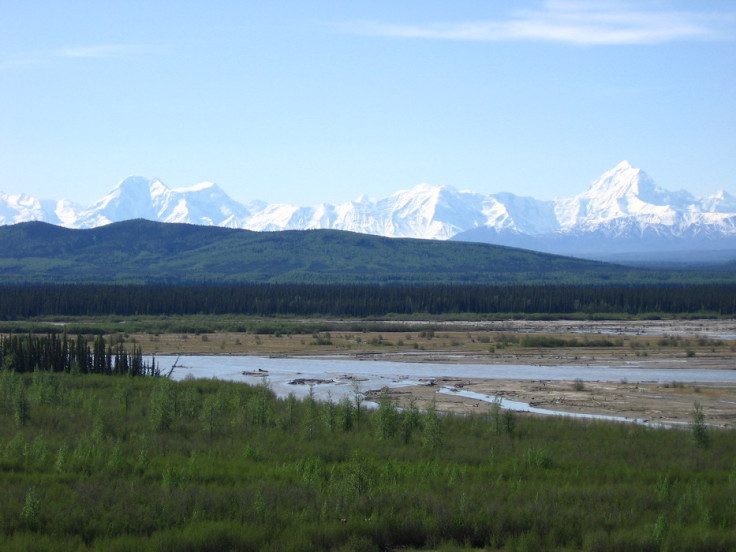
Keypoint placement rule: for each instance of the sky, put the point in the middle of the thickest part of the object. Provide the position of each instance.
(304, 102)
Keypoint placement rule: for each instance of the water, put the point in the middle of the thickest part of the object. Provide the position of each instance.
(519, 406)
(343, 375)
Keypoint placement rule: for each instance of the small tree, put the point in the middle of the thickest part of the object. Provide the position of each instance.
(29, 513)
(410, 420)
(432, 427)
(345, 414)
(509, 421)
(210, 414)
(312, 417)
(496, 415)
(358, 398)
(329, 413)
(388, 417)
(261, 403)
(21, 406)
(290, 415)
(698, 426)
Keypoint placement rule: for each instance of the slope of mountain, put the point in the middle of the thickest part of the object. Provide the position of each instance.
(141, 251)
(624, 212)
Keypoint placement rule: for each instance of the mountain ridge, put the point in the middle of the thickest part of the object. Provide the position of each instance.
(624, 207)
(143, 252)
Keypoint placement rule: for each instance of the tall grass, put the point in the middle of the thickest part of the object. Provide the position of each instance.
(123, 463)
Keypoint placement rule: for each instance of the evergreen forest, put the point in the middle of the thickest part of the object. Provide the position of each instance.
(362, 301)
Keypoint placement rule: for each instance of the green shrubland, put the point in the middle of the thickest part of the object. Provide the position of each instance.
(92, 462)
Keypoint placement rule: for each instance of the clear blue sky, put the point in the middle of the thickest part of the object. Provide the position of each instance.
(310, 101)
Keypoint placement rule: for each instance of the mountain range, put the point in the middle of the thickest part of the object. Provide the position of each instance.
(139, 251)
(623, 215)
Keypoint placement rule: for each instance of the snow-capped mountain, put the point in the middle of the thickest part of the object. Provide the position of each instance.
(622, 212)
(138, 197)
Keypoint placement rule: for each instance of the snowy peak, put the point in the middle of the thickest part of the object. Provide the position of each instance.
(623, 193)
(720, 202)
(421, 197)
(14, 208)
(23, 207)
(621, 181)
(133, 197)
(149, 198)
(623, 208)
(136, 190)
(428, 212)
(626, 182)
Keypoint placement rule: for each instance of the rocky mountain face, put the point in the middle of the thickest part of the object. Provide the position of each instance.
(623, 214)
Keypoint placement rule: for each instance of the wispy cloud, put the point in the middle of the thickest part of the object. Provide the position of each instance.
(575, 22)
(100, 51)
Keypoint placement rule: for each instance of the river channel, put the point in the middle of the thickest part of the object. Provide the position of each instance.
(336, 377)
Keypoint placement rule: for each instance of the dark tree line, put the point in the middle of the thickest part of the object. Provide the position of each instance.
(363, 300)
(26, 353)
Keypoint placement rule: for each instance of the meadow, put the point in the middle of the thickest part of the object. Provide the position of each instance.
(106, 462)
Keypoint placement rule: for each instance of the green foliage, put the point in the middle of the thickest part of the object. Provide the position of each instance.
(236, 468)
(547, 341)
(29, 513)
(410, 421)
(387, 417)
(346, 415)
(433, 429)
(495, 416)
(200, 309)
(163, 405)
(509, 421)
(699, 427)
(21, 406)
(152, 252)
(40, 354)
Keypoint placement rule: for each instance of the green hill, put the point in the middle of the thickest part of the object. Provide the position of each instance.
(141, 251)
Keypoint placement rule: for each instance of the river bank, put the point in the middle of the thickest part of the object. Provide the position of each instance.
(656, 403)
(673, 347)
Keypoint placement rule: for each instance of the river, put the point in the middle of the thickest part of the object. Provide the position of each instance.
(338, 376)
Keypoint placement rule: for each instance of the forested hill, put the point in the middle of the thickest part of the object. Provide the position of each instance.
(141, 251)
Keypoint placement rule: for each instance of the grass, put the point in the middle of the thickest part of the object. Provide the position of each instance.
(288, 324)
(241, 334)
(113, 463)
(492, 346)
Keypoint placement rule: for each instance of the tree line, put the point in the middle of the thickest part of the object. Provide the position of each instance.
(363, 300)
(26, 353)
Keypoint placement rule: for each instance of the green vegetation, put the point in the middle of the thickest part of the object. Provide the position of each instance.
(699, 428)
(120, 463)
(365, 301)
(28, 353)
(145, 252)
(144, 463)
(548, 341)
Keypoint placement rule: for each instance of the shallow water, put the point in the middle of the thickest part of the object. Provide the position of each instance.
(346, 375)
(519, 406)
